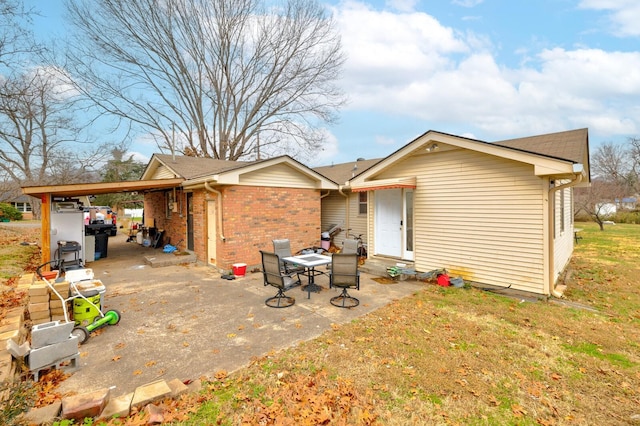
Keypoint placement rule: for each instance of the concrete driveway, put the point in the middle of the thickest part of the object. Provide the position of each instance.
(185, 322)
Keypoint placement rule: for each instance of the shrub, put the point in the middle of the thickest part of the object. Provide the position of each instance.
(626, 216)
(9, 212)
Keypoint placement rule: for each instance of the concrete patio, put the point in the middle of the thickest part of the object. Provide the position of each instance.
(184, 321)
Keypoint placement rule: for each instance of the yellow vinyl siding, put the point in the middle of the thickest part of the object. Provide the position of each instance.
(280, 175)
(333, 211)
(163, 172)
(563, 242)
(479, 216)
(357, 221)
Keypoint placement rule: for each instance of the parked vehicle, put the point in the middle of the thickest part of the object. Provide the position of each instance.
(99, 219)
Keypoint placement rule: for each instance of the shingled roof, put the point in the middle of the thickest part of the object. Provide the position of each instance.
(569, 145)
(193, 167)
(340, 173)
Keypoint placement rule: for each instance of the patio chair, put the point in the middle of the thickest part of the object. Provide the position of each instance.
(345, 275)
(274, 276)
(282, 248)
(349, 246)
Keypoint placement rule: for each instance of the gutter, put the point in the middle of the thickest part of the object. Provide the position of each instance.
(347, 217)
(219, 215)
(577, 178)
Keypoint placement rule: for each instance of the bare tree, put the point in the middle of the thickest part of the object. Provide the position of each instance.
(216, 78)
(619, 164)
(38, 137)
(15, 38)
(595, 201)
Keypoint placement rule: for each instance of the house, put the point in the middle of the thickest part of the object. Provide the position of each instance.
(498, 214)
(227, 211)
(627, 203)
(22, 203)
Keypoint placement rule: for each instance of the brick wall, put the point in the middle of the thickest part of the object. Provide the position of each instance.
(175, 227)
(253, 217)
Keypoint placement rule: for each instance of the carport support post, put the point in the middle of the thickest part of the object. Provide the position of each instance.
(45, 227)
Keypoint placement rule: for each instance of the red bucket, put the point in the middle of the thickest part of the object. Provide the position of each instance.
(239, 269)
(443, 280)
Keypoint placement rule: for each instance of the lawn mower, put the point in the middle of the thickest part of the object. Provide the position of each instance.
(85, 293)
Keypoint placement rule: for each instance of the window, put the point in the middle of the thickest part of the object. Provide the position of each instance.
(22, 207)
(362, 202)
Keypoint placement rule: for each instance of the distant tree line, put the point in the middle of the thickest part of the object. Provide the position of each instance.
(615, 170)
(226, 79)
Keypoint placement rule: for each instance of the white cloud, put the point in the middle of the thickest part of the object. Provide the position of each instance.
(140, 157)
(623, 14)
(386, 49)
(402, 5)
(467, 3)
(411, 65)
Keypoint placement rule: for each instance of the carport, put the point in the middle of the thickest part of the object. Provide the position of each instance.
(63, 192)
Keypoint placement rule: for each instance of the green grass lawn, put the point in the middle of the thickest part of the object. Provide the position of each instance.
(453, 356)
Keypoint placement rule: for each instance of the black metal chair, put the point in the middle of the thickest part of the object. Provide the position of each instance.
(283, 281)
(282, 248)
(344, 274)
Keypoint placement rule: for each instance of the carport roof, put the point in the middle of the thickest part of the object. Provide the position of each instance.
(75, 190)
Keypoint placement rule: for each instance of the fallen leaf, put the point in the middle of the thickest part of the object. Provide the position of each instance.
(116, 358)
(137, 372)
(518, 410)
(150, 364)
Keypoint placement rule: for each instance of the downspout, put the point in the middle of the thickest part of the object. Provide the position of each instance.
(552, 204)
(340, 188)
(219, 199)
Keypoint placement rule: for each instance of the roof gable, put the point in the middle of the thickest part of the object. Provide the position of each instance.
(197, 170)
(539, 152)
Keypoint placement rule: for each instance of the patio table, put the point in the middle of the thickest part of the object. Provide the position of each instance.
(309, 262)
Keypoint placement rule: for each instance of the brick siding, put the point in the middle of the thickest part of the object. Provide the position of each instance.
(252, 218)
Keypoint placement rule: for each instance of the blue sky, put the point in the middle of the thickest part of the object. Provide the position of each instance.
(486, 69)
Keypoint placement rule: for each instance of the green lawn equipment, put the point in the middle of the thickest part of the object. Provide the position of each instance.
(85, 293)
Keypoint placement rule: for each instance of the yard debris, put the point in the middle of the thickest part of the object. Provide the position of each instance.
(396, 271)
(431, 275)
(169, 248)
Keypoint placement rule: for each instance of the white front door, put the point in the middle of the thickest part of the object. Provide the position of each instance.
(388, 222)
